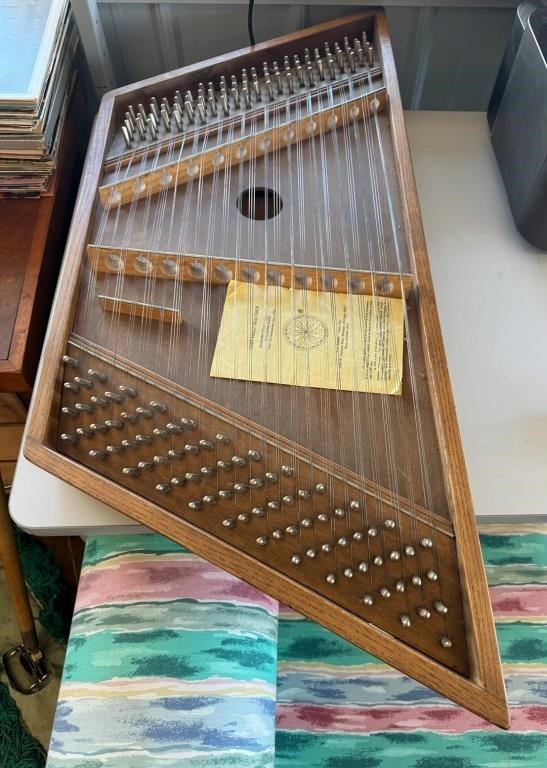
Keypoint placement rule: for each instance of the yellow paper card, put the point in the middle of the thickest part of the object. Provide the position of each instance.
(310, 339)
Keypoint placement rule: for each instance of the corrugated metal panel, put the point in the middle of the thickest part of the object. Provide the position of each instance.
(447, 57)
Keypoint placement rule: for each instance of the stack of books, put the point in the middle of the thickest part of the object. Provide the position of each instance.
(38, 42)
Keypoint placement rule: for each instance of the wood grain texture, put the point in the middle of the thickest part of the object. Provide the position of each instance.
(9, 557)
(142, 185)
(12, 409)
(163, 265)
(136, 309)
(299, 428)
(479, 617)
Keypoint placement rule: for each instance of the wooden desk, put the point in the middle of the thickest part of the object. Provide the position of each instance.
(32, 239)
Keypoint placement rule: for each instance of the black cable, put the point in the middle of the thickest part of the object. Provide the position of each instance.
(250, 21)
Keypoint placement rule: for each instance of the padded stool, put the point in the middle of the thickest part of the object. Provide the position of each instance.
(172, 662)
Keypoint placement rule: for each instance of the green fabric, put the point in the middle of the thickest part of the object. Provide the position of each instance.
(17, 748)
(45, 581)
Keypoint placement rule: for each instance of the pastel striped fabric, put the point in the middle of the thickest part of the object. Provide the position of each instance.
(173, 663)
(170, 662)
(340, 708)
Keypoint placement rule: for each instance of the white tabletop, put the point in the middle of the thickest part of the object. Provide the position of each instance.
(491, 290)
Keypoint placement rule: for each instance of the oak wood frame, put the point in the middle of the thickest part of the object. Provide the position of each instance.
(484, 692)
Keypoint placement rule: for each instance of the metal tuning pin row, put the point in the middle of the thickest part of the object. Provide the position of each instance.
(274, 81)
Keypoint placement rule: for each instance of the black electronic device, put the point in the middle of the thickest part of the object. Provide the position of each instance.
(517, 115)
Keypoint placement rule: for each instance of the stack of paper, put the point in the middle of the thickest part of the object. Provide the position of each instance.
(38, 41)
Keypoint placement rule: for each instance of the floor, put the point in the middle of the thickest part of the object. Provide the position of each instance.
(38, 709)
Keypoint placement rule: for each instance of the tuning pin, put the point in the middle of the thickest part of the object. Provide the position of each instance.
(235, 96)
(85, 407)
(152, 116)
(177, 115)
(84, 432)
(97, 454)
(178, 107)
(69, 438)
(269, 89)
(177, 99)
(319, 64)
(330, 66)
(154, 108)
(211, 101)
(224, 101)
(141, 127)
(152, 127)
(277, 76)
(130, 119)
(290, 81)
(246, 96)
(165, 119)
(359, 51)
(126, 136)
(142, 113)
(189, 109)
(256, 85)
(201, 110)
(339, 57)
(370, 55)
(351, 57)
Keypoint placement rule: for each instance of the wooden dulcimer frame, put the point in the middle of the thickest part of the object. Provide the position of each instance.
(396, 571)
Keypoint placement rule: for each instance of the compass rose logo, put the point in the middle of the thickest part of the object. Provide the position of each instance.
(305, 331)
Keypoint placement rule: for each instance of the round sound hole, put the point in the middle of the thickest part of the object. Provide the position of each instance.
(259, 203)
